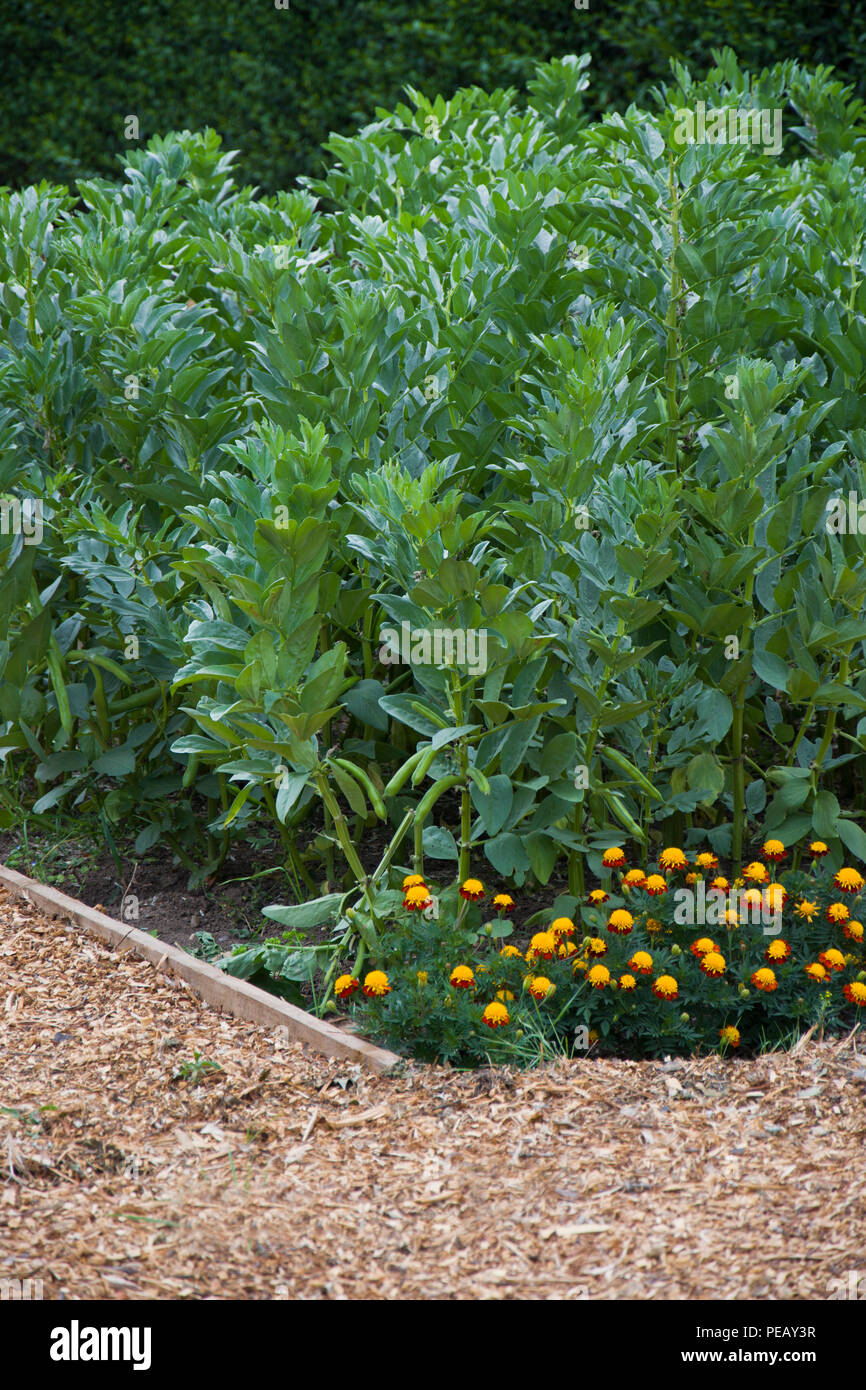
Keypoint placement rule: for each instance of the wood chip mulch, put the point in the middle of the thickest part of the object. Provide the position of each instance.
(285, 1175)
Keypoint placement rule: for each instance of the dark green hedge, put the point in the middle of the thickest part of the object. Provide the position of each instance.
(274, 83)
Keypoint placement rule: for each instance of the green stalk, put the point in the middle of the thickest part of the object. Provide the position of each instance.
(675, 293)
(738, 770)
(349, 851)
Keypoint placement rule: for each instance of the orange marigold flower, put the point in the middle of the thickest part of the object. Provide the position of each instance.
(597, 946)
(720, 885)
(503, 902)
(542, 944)
(346, 985)
(838, 912)
(806, 908)
(671, 859)
(756, 872)
(578, 964)
(597, 897)
(818, 849)
(855, 993)
(849, 881)
(510, 951)
(413, 881)
(598, 976)
(566, 949)
(713, 964)
(774, 849)
(833, 959)
(775, 896)
(539, 987)
(562, 926)
(853, 930)
(495, 1015)
(730, 1035)
(376, 983)
(635, 878)
(613, 858)
(462, 977)
(731, 918)
(692, 879)
(666, 987)
(620, 922)
(778, 951)
(702, 946)
(816, 972)
(655, 884)
(627, 981)
(473, 890)
(653, 925)
(417, 898)
(707, 861)
(764, 979)
(642, 962)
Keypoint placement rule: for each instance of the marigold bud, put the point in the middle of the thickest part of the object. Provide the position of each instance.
(676, 950)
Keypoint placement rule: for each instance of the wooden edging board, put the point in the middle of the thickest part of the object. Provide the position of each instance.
(214, 986)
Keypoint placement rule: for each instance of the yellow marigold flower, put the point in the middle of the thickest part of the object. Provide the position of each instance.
(345, 985)
(738, 882)
(413, 881)
(505, 995)
(702, 946)
(806, 909)
(713, 963)
(816, 972)
(720, 884)
(473, 890)
(542, 944)
(597, 946)
(833, 959)
(597, 897)
(503, 902)
(731, 918)
(853, 930)
(627, 982)
(642, 962)
(777, 951)
(666, 987)
(613, 858)
(849, 881)
(774, 849)
(753, 897)
(462, 977)
(775, 896)
(855, 993)
(416, 898)
(539, 987)
(421, 976)
(567, 949)
(562, 926)
(593, 1036)
(598, 976)
(756, 872)
(730, 1035)
(620, 922)
(838, 912)
(707, 861)
(653, 925)
(376, 983)
(655, 884)
(764, 979)
(691, 879)
(508, 951)
(495, 1015)
(671, 859)
(818, 849)
(579, 964)
(635, 878)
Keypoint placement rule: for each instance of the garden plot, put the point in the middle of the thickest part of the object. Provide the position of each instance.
(133, 1169)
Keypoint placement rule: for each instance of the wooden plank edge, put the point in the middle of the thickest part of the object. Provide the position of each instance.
(237, 997)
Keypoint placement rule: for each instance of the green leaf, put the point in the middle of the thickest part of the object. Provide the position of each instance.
(303, 915)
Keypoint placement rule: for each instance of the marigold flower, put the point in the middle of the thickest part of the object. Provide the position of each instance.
(692, 879)
(653, 925)
(542, 944)
(510, 951)
(462, 977)
(838, 912)
(504, 994)
(413, 881)
(566, 949)
(702, 946)
(635, 878)
(713, 964)
(853, 930)
(774, 849)
(764, 979)
(642, 962)
(855, 993)
(833, 959)
(818, 849)
(720, 885)
(495, 1016)
(539, 987)
(778, 951)
(655, 885)
(503, 902)
(597, 946)
(597, 897)
(627, 981)
(422, 977)
(598, 976)
(752, 897)
(806, 908)
(775, 896)
(756, 872)
(730, 1035)
(671, 859)
(666, 987)
(561, 926)
(346, 985)
(816, 972)
(473, 890)
(849, 881)
(376, 983)
(706, 861)
(731, 918)
(613, 858)
(417, 898)
(620, 922)
(578, 964)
